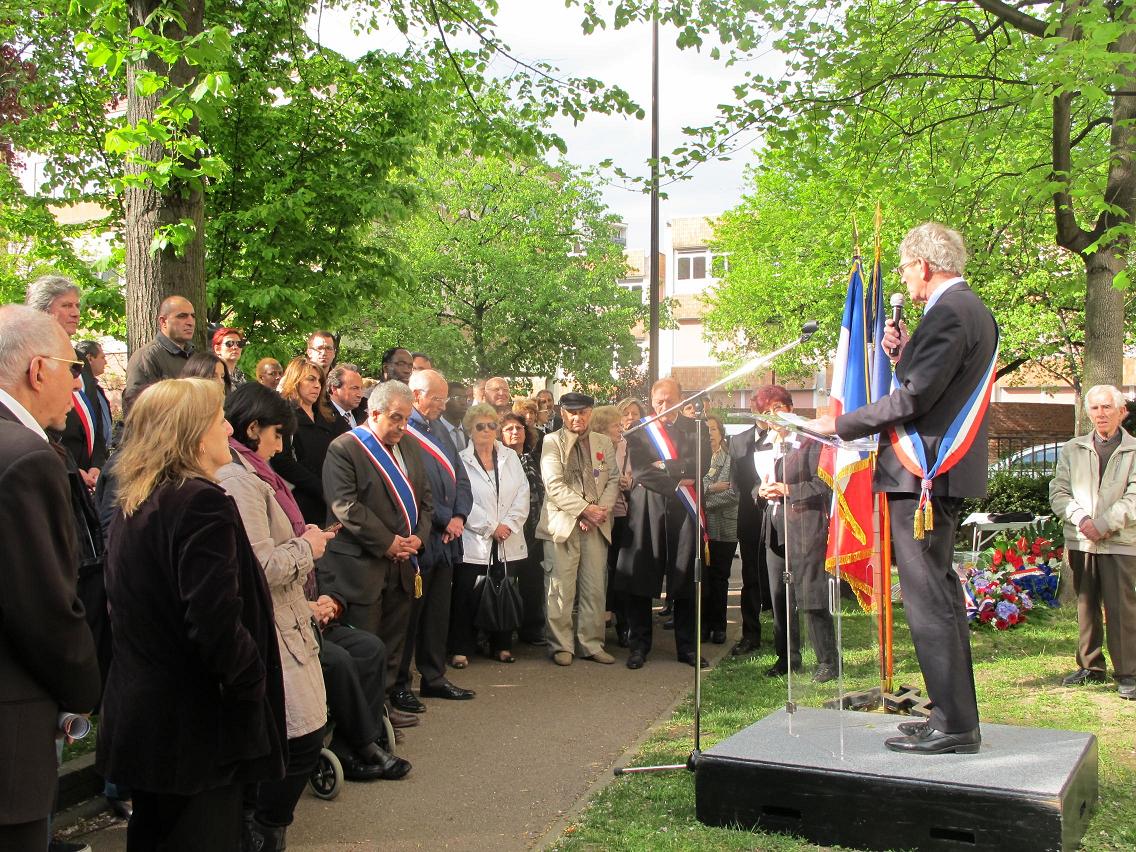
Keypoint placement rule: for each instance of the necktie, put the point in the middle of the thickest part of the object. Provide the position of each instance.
(349, 418)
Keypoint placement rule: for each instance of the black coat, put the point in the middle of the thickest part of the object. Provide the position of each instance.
(47, 657)
(663, 536)
(301, 461)
(74, 436)
(195, 698)
(941, 365)
(751, 508)
(452, 497)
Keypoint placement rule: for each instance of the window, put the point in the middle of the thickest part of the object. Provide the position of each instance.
(691, 267)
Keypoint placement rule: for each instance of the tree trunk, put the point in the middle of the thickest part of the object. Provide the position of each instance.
(152, 277)
(1104, 321)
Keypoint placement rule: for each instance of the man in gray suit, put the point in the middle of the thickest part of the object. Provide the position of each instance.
(47, 655)
(375, 485)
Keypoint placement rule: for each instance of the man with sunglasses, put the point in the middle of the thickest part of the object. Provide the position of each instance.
(932, 456)
(165, 356)
(228, 345)
(47, 656)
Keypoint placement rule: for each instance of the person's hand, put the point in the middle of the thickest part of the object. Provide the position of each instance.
(718, 487)
(1089, 530)
(584, 526)
(90, 477)
(454, 530)
(894, 339)
(401, 548)
(502, 533)
(317, 539)
(594, 515)
(773, 490)
(823, 425)
(689, 482)
(625, 481)
(326, 609)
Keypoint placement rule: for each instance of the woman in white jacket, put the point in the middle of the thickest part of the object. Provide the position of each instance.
(494, 529)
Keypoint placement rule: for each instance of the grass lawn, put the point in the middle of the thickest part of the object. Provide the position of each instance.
(1018, 674)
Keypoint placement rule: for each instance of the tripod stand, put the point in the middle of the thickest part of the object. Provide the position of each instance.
(807, 331)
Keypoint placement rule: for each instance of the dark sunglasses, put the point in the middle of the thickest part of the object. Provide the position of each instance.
(481, 427)
(229, 344)
(76, 367)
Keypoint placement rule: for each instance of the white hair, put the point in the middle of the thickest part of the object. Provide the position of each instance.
(46, 289)
(386, 393)
(24, 333)
(421, 380)
(1118, 399)
(943, 248)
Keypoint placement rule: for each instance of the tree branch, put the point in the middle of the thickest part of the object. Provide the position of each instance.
(1016, 18)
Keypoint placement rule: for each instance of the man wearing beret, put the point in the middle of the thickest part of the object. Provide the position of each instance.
(581, 485)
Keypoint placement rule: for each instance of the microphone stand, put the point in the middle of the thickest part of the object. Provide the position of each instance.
(807, 331)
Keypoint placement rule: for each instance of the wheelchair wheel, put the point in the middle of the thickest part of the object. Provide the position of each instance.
(389, 729)
(327, 778)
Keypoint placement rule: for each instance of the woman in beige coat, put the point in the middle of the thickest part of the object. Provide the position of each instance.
(287, 549)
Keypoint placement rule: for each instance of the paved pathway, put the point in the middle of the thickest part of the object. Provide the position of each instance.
(501, 771)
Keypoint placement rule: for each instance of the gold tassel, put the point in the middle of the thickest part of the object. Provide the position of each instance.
(417, 583)
(705, 552)
(928, 516)
(918, 523)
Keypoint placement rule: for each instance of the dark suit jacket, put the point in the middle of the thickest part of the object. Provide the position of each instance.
(663, 535)
(942, 364)
(47, 656)
(300, 461)
(451, 498)
(355, 565)
(195, 698)
(751, 509)
(74, 437)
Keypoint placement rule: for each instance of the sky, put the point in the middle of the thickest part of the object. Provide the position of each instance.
(690, 85)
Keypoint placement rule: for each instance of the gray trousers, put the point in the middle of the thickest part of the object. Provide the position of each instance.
(576, 579)
(1108, 581)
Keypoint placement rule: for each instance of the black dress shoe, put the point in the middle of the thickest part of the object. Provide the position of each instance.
(669, 624)
(743, 647)
(689, 659)
(121, 808)
(779, 669)
(718, 637)
(407, 702)
(445, 689)
(930, 741)
(636, 660)
(1082, 676)
(910, 729)
(392, 768)
(357, 769)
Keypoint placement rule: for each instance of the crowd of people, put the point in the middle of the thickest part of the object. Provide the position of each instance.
(247, 567)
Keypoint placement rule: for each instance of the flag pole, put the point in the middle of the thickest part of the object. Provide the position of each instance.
(884, 622)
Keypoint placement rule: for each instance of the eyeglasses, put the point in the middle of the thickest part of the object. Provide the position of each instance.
(899, 269)
(323, 348)
(481, 427)
(230, 344)
(76, 366)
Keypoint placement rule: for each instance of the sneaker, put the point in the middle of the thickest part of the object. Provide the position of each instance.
(1083, 676)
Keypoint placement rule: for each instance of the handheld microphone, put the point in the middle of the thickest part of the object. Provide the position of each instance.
(896, 316)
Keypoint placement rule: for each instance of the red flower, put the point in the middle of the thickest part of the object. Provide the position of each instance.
(1031, 560)
(997, 558)
(1037, 547)
(1023, 543)
(1001, 624)
(599, 457)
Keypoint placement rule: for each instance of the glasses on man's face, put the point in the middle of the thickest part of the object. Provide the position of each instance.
(899, 269)
(482, 427)
(234, 344)
(76, 367)
(321, 349)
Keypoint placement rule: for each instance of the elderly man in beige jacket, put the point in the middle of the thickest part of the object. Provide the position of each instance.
(581, 485)
(1094, 493)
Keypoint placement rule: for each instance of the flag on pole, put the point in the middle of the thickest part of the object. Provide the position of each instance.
(851, 537)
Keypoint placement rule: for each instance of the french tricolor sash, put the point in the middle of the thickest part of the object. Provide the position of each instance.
(397, 483)
(430, 445)
(665, 448)
(83, 409)
(1025, 572)
(968, 600)
(910, 450)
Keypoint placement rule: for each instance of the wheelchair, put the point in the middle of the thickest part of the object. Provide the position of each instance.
(326, 779)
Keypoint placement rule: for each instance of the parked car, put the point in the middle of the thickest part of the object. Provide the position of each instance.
(1038, 459)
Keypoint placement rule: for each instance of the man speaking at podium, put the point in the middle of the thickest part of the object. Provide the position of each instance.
(932, 455)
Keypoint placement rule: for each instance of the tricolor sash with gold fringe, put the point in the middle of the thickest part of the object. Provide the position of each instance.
(430, 445)
(666, 451)
(910, 450)
(398, 485)
(83, 409)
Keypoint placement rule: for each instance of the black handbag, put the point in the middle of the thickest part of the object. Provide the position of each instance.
(499, 606)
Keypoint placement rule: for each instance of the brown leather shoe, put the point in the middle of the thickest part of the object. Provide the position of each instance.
(399, 719)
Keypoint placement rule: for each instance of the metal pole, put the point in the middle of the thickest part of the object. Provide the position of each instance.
(652, 260)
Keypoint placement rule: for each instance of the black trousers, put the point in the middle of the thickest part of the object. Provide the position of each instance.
(616, 602)
(786, 625)
(530, 580)
(756, 594)
(933, 606)
(170, 823)
(276, 800)
(463, 633)
(639, 622)
(428, 628)
(27, 835)
(716, 584)
(354, 676)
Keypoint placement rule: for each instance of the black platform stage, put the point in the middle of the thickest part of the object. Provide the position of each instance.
(1028, 789)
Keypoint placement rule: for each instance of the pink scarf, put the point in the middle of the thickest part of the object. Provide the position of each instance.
(280, 488)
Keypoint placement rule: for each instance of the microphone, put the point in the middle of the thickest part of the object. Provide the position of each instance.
(809, 329)
(896, 316)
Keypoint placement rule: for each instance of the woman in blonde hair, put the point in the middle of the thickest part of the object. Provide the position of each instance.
(301, 461)
(194, 704)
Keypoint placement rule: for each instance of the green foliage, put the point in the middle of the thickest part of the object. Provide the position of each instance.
(1010, 491)
(511, 270)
